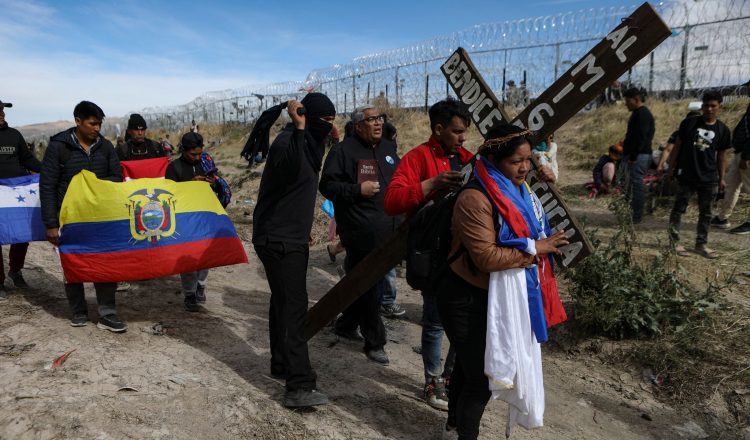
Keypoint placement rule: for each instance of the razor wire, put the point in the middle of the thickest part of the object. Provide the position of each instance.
(709, 48)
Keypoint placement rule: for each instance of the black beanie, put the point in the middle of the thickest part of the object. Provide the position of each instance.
(136, 122)
(318, 105)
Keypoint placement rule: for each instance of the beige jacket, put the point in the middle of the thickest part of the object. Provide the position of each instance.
(475, 229)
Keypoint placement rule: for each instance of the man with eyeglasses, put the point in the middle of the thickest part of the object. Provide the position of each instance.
(354, 172)
(282, 222)
(137, 146)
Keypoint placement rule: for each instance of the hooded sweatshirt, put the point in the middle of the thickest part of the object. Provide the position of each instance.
(15, 157)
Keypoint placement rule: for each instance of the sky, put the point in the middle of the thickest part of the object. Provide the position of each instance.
(127, 55)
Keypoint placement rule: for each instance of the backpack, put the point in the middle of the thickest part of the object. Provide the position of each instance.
(430, 240)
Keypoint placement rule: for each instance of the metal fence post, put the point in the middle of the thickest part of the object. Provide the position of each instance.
(683, 62)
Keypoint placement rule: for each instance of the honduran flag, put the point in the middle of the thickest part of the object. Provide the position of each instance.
(20, 210)
(142, 229)
(138, 169)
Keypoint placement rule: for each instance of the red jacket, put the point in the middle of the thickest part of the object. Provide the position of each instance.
(404, 193)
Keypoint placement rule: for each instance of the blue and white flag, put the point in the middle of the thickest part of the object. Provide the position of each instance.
(21, 211)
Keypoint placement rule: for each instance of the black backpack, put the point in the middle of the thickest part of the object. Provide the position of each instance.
(430, 239)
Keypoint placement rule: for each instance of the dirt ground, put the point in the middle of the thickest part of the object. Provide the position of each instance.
(207, 375)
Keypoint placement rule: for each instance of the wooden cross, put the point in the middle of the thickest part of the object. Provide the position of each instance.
(633, 39)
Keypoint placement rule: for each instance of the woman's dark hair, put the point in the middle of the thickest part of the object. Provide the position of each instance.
(501, 150)
(87, 109)
(442, 113)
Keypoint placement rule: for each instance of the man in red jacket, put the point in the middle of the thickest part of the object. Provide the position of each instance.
(422, 173)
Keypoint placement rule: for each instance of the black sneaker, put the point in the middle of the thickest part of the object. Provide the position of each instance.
(304, 398)
(79, 320)
(112, 323)
(191, 303)
(378, 356)
(742, 229)
(200, 294)
(3, 293)
(392, 311)
(716, 222)
(18, 280)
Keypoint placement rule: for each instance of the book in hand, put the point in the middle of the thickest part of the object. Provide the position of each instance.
(367, 170)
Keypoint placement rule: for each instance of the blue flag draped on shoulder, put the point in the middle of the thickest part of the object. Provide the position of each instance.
(20, 210)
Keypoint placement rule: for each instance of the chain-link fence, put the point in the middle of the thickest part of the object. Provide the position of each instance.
(709, 48)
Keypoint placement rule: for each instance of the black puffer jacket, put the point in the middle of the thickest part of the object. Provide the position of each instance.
(15, 157)
(360, 221)
(148, 149)
(64, 159)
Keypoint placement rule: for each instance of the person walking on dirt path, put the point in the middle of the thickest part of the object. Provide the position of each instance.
(738, 177)
(16, 159)
(188, 168)
(698, 162)
(282, 223)
(423, 172)
(137, 146)
(354, 172)
(489, 246)
(637, 148)
(68, 153)
(389, 308)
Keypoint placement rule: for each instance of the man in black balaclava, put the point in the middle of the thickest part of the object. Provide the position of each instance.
(137, 145)
(281, 233)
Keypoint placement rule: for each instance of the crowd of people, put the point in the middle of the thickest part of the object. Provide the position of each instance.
(498, 224)
(83, 147)
(693, 162)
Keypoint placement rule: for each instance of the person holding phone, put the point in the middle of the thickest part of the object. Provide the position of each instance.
(422, 174)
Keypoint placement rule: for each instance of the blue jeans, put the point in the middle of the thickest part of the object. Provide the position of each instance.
(432, 340)
(636, 191)
(388, 288)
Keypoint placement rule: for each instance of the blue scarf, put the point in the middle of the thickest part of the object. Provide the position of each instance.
(521, 198)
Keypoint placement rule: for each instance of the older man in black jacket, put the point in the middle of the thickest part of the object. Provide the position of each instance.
(69, 152)
(354, 173)
(15, 160)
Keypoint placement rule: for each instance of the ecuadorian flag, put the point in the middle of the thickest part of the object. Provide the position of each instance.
(142, 229)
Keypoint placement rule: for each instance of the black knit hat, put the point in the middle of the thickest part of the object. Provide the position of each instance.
(136, 122)
(318, 105)
(191, 140)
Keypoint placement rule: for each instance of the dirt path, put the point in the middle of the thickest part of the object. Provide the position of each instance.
(208, 376)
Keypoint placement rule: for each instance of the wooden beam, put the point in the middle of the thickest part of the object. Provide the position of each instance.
(633, 39)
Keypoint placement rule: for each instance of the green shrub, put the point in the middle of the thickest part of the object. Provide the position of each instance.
(616, 295)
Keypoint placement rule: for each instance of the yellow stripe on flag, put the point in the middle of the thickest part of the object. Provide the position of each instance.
(89, 199)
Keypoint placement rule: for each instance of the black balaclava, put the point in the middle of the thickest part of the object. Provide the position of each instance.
(317, 105)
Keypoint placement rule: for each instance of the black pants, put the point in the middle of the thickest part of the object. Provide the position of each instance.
(365, 311)
(105, 298)
(706, 193)
(286, 270)
(463, 311)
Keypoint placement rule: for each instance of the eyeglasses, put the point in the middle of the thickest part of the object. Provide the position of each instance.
(372, 119)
